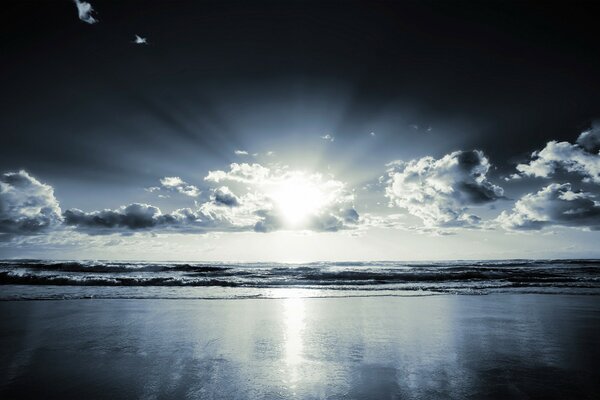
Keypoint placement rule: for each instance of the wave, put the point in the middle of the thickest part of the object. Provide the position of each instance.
(461, 277)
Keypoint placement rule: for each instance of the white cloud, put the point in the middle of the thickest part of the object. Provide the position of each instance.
(554, 205)
(175, 183)
(27, 206)
(241, 152)
(244, 173)
(85, 11)
(140, 40)
(439, 192)
(582, 158)
(328, 137)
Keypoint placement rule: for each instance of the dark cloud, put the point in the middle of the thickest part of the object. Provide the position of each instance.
(27, 206)
(225, 196)
(590, 139)
(554, 205)
(440, 191)
(133, 216)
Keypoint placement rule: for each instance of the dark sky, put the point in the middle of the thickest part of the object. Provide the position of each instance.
(83, 102)
(101, 120)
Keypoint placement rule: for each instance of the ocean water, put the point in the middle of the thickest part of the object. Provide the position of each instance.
(44, 279)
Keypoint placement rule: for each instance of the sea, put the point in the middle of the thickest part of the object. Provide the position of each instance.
(45, 279)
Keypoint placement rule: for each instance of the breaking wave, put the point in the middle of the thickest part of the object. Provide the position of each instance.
(368, 278)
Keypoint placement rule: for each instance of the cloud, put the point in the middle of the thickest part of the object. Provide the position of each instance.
(582, 158)
(85, 11)
(243, 173)
(27, 206)
(133, 216)
(439, 192)
(140, 217)
(272, 198)
(271, 201)
(175, 183)
(590, 139)
(328, 137)
(241, 152)
(286, 199)
(225, 196)
(554, 205)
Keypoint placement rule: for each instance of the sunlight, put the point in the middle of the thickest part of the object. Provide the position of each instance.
(297, 199)
(294, 327)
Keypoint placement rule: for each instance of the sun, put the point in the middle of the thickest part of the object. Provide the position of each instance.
(297, 199)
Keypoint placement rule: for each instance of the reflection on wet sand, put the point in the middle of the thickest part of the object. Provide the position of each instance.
(293, 326)
(497, 346)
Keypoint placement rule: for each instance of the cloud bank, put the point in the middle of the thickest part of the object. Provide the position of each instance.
(439, 192)
(554, 205)
(27, 206)
(272, 199)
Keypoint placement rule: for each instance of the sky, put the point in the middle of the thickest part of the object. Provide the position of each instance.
(299, 131)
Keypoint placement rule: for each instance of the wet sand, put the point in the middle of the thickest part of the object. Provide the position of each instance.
(496, 346)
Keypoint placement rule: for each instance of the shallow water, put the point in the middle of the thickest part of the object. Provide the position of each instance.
(495, 346)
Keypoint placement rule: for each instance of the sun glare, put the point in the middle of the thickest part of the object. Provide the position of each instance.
(297, 199)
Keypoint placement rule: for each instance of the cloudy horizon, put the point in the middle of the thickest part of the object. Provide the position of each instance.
(201, 136)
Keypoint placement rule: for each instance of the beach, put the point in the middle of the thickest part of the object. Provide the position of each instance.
(423, 347)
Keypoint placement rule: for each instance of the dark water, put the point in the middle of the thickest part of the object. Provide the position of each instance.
(79, 279)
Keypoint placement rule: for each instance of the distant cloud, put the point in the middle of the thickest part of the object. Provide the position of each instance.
(241, 152)
(139, 217)
(140, 40)
(244, 173)
(328, 137)
(439, 192)
(85, 11)
(271, 197)
(225, 196)
(133, 216)
(554, 205)
(582, 158)
(27, 206)
(175, 183)
(372, 133)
